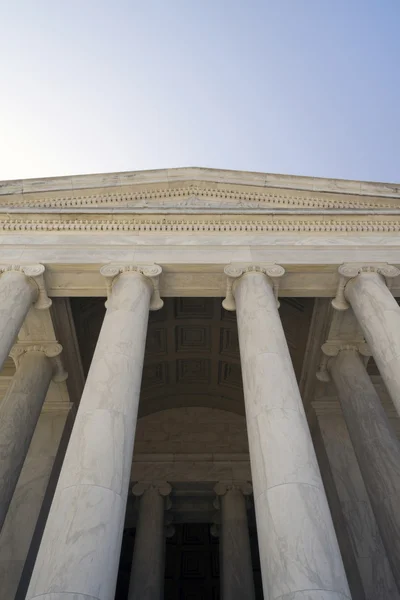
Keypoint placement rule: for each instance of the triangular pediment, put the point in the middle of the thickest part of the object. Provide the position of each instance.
(198, 191)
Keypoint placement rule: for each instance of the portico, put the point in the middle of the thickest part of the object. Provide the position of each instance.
(193, 398)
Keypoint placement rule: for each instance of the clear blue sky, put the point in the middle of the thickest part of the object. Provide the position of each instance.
(307, 87)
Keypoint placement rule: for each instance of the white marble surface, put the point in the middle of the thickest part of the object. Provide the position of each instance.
(76, 183)
(236, 572)
(16, 297)
(19, 413)
(373, 565)
(21, 519)
(194, 261)
(80, 547)
(379, 316)
(298, 548)
(375, 444)
(148, 563)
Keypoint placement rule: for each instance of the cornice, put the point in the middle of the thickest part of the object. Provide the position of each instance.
(193, 196)
(187, 174)
(203, 224)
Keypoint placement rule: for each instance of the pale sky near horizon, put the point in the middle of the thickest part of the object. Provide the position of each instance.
(305, 87)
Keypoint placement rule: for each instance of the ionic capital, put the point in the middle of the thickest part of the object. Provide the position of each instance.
(348, 271)
(162, 487)
(331, 349)
(50, 349)
(235, 271)
(152, 272)
(223, 487)
(35, 275)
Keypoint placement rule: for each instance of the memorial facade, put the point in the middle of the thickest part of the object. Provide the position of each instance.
(200, 387)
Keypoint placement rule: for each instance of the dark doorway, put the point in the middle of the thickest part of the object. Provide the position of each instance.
(191, 564)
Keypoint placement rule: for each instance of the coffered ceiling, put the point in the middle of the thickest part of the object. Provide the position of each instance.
(192, 350)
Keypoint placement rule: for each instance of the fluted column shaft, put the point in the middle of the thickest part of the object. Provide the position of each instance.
(17, 293)
(235, 554)
(376, 447)
(299, 553)
(148, 564)
(79, 553)
(19, 413)
(379, 317)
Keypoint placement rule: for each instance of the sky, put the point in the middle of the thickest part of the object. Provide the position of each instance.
(303, 87)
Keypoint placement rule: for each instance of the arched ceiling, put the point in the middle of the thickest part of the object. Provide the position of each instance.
(192, 350)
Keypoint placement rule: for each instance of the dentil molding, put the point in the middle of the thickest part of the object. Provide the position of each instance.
(190, 223)
(187, 196)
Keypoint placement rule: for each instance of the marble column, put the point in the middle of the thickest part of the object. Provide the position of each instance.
(375, 444)
(236, 571)
(19, 413)
(20, 286)
(299, 553)
(369, 553)
(366, 289)
(79, 554)
(27, 501)
(148, 564)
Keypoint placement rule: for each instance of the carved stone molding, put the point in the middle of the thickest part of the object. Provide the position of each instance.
(188, 195)
(189, 223)
(152, 272)
(163, 487)
(332, 348)
(234, 271)
(348, 271)
(52, 350)
(35, 275)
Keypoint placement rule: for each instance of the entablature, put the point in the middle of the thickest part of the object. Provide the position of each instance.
(184, 279)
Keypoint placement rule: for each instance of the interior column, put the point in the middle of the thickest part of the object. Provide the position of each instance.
(299, 553)
(375, 444)
(25, 510)
(148, 564)
(379, 317)
(235, 555)
(368, 549)
(19, 414)
(79, 553)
